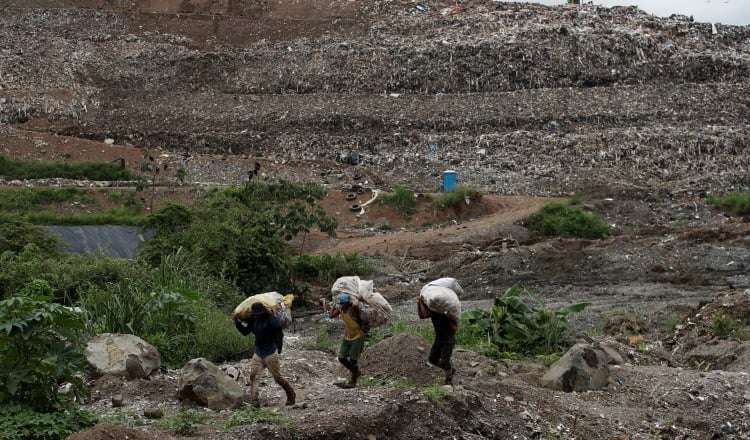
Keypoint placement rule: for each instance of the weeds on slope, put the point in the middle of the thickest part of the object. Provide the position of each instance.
(736, 203)
(402, 200)
(89, 170)
(560, 219)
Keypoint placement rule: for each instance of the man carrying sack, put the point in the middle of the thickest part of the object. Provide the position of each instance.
(355, 330)
(269, 337)
(439, 301)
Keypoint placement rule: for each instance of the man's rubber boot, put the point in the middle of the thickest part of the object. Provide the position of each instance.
(355, 375)
(449, 376)
(290, 395)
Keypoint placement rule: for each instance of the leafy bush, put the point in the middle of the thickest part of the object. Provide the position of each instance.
(239, 234)
(250, 416)
(559, 219)
(24, 423)
(736, 203)
(40, 346)
(91, 170)
(15, 236)
(514, 326)
(456, 198)
(164, 308)
(327, 268)
(727, 327)
(402, 200)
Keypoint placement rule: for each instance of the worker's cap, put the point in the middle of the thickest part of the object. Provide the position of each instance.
(258, 309)
(344, 298)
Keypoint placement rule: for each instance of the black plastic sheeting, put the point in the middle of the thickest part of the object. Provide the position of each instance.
(110, 240)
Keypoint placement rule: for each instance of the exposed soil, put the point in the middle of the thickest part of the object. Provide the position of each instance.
(113, 432)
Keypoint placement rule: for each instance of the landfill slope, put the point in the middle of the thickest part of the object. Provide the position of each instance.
(518, 98)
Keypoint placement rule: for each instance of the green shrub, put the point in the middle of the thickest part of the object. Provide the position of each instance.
(40, 347)
(240, 234)
(15, 236)
(17, 169)
(736, 203)
(326, 269)
(559, 219)
(182, 325)
(402, 200)
(250, 416)
(456, 198)
(513, 325)
(24, 423)
(727, 327)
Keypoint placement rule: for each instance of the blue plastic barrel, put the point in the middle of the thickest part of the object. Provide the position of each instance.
(450, 179)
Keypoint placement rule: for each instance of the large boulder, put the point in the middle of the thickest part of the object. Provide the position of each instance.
(582, 368)
(204, 383)
(122, 355)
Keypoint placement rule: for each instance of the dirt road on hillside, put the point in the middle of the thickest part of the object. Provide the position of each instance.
(437, 243)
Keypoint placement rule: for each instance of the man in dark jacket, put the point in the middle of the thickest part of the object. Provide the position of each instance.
(268, 341)
(445, 339)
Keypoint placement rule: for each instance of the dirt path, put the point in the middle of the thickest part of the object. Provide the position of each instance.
(440, 242)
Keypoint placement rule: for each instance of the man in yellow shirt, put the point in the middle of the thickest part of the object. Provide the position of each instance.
(353, 343)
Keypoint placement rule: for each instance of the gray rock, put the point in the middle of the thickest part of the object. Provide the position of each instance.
(122, 355)
(117, 401)
(153, 413)
(582, 368)
(204, 383)
(613, 356)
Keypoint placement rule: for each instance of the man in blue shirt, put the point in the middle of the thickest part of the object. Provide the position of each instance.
(269, 338)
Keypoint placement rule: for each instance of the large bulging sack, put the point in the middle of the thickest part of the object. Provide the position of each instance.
(374, 309)
(276, 303)
(441, 300)
(450, 283)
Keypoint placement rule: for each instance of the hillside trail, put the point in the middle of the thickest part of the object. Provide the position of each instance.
(437, 243)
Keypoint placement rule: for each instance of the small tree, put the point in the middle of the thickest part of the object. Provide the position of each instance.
(40, 348)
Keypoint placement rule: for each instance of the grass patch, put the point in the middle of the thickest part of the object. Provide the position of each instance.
(30, 199)
(375, 381)
(737, 203)
(726, 327)
(249, 415)
(323, 341)
(89, 170)
(114, 216)
(435, 393)
(560, 219)
(402, 200)
(455, 198)
(398, 327)
(327, 268)
(185, 422)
